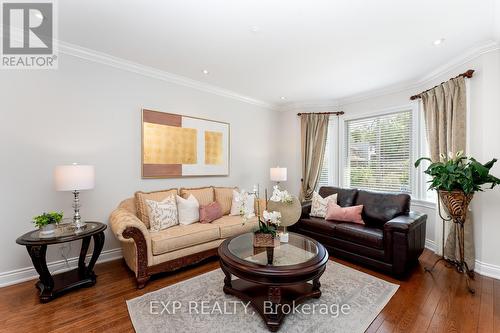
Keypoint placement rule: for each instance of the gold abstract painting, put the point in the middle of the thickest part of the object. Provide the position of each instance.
(169, 144)
(174, 145)
(213, 148)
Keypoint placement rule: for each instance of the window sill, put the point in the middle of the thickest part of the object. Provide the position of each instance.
(423, 203)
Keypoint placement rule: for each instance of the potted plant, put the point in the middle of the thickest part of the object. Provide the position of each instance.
(47, 222)
(266, 236)
(457, 178)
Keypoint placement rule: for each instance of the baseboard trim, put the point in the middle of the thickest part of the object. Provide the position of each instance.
(489, 270)
(482, 268)
(29, 273)
(430, 245)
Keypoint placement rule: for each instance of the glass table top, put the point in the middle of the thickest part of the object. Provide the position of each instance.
(297, 251)
(62, 233)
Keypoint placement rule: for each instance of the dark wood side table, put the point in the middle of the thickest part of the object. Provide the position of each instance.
(83, 276)
(272, 277)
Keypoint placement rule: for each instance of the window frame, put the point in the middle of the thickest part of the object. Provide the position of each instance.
(418, 147)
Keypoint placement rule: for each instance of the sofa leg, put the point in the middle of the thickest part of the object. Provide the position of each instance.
(142, 281)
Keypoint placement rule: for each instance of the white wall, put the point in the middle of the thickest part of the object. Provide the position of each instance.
(90, 113)
(484, 145)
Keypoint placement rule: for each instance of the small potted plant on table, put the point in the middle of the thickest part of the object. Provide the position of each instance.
(47, 223)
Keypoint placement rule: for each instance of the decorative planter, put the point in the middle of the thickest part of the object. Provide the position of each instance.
(264, 240)
(456, 204)
(48, 230)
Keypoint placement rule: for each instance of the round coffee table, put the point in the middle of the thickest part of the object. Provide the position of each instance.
(273, 280)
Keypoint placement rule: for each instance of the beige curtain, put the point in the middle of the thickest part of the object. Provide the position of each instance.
(314, 131)
(445, 110)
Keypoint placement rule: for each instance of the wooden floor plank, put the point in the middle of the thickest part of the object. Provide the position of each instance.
(436, 302)
(486, 312)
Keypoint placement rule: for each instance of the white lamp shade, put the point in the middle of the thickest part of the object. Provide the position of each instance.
(74, 177)
(277, 174)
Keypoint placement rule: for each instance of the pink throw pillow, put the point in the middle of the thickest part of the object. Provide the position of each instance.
(210, 212)
(347, 214)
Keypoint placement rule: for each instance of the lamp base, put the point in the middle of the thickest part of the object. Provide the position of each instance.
(81, 225)
(78, 224)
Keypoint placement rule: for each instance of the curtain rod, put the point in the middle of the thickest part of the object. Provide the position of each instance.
(335, 113)
(467, 74)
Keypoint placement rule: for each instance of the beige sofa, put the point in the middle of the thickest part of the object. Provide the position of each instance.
(147, 253)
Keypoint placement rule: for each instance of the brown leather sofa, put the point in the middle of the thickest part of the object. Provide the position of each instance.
(391, 240)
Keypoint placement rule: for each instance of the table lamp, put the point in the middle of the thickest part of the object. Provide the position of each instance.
(75, 178)
(277, 174)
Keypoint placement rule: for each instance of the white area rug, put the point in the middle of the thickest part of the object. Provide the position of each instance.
(200, 305)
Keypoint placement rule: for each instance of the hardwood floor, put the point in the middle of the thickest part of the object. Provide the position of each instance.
(424, 302)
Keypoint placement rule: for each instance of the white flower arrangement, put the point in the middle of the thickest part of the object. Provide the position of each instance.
(281, 196)
(273, 217)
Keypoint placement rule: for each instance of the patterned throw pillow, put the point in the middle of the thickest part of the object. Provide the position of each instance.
(141, 206)
(319, 204)
(162, 214)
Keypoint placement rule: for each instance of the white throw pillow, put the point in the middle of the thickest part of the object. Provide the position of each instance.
(319, 204)
(162, 214)
(241, 199)
(189, 209)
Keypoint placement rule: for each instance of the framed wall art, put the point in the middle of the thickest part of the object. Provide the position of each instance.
(174, 146)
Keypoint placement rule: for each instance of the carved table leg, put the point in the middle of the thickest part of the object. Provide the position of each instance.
(275, 316)
(98, 245)
(227, 278)
(46, 282)
(83, 254)
(317, 285)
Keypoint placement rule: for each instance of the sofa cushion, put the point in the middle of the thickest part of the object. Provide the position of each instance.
(142, 207)
(233, 225)
(224, 196)
(360, 234)
(181, 236)
(380, 207)
(345, 197)
(317, 225)
(204, 195)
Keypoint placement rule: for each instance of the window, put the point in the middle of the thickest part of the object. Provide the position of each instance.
(378, 152)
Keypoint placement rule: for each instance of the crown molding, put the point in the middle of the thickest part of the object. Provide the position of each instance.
(464, 58)
(116, 62)
(309, 106)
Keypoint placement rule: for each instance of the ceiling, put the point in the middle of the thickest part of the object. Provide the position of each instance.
(264, 49)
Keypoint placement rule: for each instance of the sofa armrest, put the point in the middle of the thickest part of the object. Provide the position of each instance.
(405, 223)
(121, 219)
(306, 209)
(128, 228)
(404, 240)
